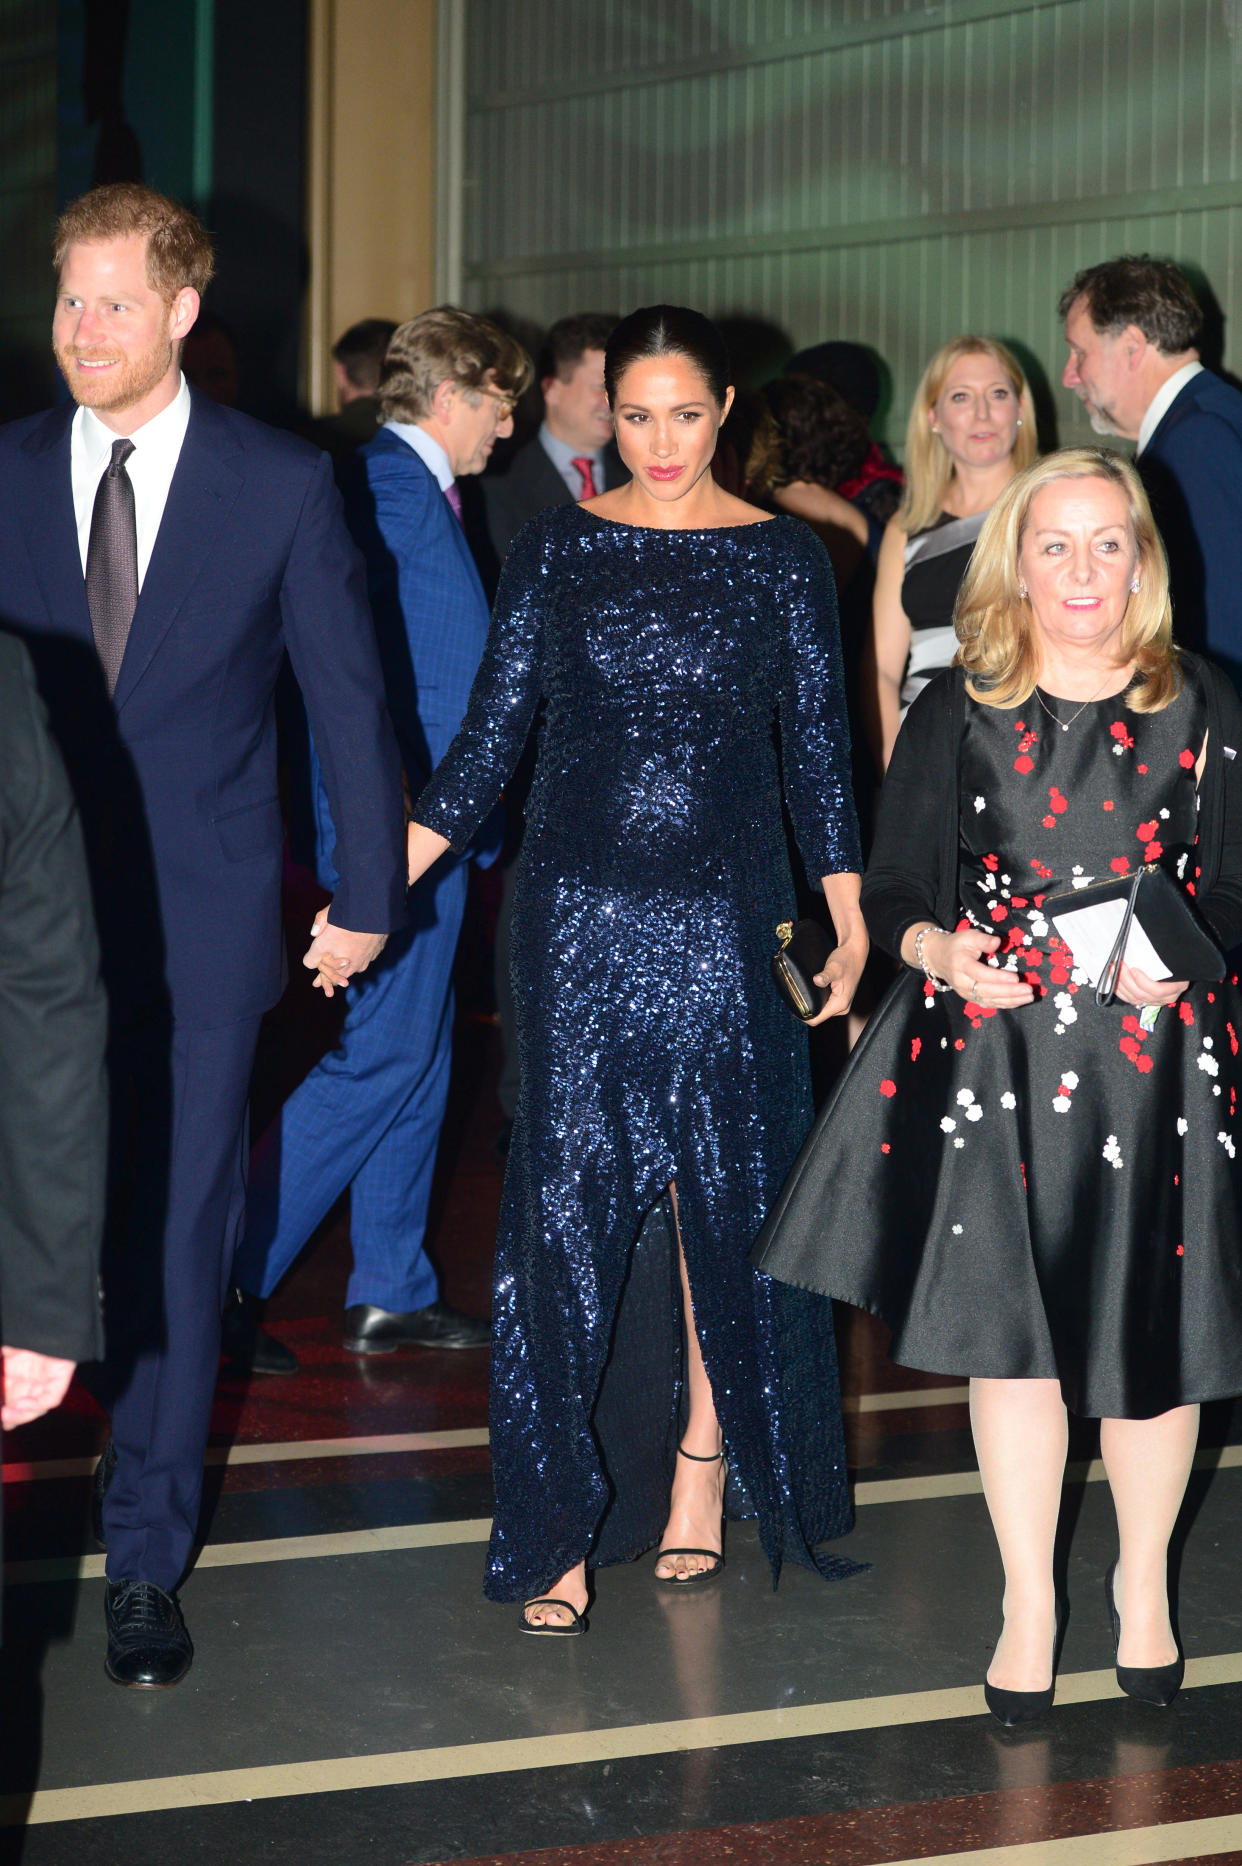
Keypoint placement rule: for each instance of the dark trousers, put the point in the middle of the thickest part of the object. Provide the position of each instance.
(177, 1199)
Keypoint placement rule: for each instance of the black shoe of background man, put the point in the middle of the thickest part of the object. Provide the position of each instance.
(148, 1645)
(247, 1347)
(379, 1331)
(99, 1490)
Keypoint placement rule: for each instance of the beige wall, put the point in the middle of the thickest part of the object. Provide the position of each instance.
(371, 170)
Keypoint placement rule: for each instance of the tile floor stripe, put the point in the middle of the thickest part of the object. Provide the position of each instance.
(385, 1444)
(399, 1536)
(106, 1800)
(1131, 1846)
(390, 1443)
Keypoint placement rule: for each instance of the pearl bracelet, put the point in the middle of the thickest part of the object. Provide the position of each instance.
(938, 984)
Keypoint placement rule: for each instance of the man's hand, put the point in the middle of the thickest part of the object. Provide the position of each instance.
(337, 955)
(33, 1384)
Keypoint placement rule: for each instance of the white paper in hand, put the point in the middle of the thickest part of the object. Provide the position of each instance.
(1091, 933)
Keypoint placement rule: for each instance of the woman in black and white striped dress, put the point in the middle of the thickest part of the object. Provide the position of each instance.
(971, 428)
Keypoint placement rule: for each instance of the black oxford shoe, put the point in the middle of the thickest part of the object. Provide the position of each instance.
(148, 1645)
(99, 1490)
(378, 1331)
(246, 1346)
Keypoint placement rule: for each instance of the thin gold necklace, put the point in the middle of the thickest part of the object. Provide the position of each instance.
(1065, 724)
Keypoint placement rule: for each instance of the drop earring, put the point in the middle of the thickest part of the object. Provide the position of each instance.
(1022, 591)
(1135, 586)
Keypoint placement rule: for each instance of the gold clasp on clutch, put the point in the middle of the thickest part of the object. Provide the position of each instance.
(784, 932)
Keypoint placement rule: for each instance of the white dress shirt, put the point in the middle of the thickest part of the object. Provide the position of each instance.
(562, 456)
(427, 448)
(1162, 401)
(157, 449)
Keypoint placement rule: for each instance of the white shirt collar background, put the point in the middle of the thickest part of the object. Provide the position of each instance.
(1163, 400)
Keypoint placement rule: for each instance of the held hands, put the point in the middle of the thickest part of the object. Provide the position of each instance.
(840, 977)
(336, 955)
(958, 958)
(33, 1384)
(1135, 987)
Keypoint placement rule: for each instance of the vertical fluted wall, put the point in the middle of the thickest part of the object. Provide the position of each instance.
(886, 170)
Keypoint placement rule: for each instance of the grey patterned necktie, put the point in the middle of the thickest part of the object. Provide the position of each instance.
(112, 563)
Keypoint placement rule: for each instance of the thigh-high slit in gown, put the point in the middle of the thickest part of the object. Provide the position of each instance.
(689, 680)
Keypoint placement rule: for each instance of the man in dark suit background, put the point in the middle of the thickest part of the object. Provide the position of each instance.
(159, 553)
(1133, 327)
(53, 1102)
(367, 1118)
(573, 456)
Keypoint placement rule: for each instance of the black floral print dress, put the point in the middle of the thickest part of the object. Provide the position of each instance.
(1051, 1191)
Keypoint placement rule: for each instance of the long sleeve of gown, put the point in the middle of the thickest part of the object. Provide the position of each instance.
(482, 758)
(815, 734)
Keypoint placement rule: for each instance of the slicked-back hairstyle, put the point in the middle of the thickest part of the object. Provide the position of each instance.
(668, 330)
(179, 250)
(1153, 294)
(361, 349)
(568, 341)
(447, 345)
(928, 463)
(993, 621)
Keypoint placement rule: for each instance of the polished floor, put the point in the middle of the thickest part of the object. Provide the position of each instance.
(354, 1698)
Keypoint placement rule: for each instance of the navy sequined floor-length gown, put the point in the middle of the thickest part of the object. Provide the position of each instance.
(654, 1047)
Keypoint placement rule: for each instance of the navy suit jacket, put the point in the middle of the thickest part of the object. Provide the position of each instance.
(1192, 469)
(529, 484)
(175, 776)
(431, 615)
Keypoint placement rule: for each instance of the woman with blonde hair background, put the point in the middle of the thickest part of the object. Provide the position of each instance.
(971, 429)
(1036, 1187)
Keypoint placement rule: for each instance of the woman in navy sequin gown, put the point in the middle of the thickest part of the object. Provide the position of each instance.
(674, 637)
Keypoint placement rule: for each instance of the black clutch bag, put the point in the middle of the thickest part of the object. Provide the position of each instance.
(803, 951)
(1135, 918)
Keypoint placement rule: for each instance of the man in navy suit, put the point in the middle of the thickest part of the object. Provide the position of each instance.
(159, 553)
(1133, 327)
(368, 1116)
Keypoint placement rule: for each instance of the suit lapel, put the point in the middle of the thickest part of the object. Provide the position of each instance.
(551, 488)
(44, 498)
(1185, 402)
(470, 569)
(204, 490)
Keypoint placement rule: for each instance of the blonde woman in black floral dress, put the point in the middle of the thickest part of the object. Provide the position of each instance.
(1034, 1190)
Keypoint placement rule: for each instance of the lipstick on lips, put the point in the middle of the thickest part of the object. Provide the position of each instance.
(665, 472)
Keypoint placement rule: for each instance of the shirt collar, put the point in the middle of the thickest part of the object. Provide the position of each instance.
(1163, 400)
(428, 450)
(163, 431)
(561, 454)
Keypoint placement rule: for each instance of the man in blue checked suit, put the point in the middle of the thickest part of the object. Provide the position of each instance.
(368, 1116)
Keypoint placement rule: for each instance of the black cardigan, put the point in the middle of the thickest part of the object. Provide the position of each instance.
(913, 872)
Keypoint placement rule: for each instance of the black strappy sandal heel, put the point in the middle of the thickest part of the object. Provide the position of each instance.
(717, 1555)
(577, 1625)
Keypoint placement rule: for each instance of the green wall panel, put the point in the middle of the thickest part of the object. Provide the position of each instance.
(886, 170)
(27, 199)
